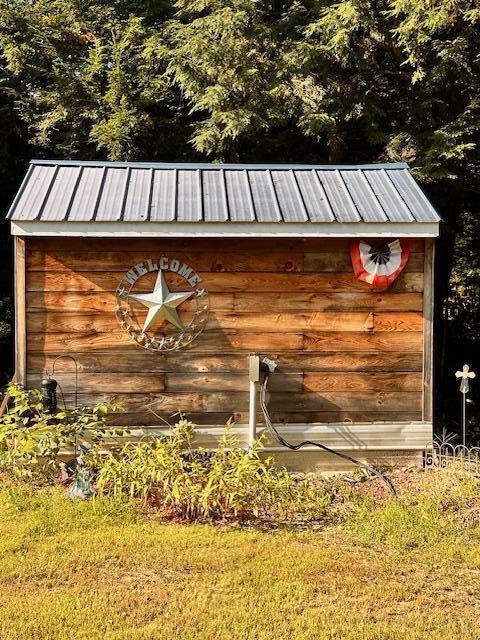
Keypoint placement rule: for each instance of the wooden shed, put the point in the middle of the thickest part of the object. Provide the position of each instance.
(161, 279)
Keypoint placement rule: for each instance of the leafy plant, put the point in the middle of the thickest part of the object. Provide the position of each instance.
(199, 484)
(32, 438)
(445, 437)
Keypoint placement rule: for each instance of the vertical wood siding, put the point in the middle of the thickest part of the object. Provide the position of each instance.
(294, 300)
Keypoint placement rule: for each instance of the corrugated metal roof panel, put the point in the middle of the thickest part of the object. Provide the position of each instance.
(314, 197)
(113, 193)
(343, 207)
(138, 195)
(136, 192)
(288, 196)
(413, 196)
(87, 194)
(215, 205)
(189, 198)
(164, 196)
(364, 197)
(392, 203)
(29, 205)
(264, 197)
(240, 201)
(60, 194)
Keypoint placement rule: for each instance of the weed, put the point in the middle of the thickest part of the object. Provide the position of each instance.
(199, 484)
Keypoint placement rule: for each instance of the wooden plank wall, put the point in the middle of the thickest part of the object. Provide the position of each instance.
(295, 300)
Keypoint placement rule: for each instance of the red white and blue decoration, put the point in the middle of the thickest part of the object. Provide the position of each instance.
(379, 266)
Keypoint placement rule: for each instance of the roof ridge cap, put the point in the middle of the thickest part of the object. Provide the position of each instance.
(219, 166)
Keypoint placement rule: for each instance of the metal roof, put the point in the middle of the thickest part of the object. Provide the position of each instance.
(70, 191)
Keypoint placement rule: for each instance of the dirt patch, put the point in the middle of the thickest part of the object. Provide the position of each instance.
(404, 481)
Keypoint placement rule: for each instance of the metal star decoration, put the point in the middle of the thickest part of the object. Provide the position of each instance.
(162, 303)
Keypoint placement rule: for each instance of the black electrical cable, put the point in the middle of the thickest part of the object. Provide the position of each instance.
(296, 447)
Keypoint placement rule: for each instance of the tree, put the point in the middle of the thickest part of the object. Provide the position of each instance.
(81, 75)
(393, 79)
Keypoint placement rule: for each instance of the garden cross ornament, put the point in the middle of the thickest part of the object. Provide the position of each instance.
(464, 374)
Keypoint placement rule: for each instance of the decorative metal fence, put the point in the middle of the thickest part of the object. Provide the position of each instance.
(441, 455)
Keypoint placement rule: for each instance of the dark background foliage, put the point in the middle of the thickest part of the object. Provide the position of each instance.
(248, 80)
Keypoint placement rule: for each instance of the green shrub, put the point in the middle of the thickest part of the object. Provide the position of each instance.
(200, 484)
(32, 438)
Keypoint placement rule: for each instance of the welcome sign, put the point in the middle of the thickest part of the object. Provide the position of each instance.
(163, 328)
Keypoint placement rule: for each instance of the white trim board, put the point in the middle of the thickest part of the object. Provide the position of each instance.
(96, 229)
(355, 436)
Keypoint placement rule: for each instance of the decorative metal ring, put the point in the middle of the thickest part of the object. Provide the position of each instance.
(169, 337)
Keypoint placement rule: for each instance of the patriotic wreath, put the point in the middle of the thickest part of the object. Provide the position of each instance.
(379, 266)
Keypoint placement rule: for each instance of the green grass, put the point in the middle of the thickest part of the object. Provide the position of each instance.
(102, 569)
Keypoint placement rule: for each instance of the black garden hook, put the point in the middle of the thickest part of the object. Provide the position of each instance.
(76, 376)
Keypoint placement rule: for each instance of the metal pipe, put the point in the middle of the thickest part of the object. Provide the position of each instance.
(252, 413)
(253, 378)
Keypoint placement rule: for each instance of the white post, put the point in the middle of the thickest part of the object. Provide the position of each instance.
(253, 378)
(252, 414)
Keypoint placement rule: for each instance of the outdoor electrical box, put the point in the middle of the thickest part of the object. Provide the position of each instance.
(269, 365)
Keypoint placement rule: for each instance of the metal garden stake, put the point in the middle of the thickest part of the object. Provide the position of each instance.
(464, 374)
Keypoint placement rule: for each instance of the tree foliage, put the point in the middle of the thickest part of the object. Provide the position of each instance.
(393, 79)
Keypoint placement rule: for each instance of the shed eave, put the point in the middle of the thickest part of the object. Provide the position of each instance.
(99, 229)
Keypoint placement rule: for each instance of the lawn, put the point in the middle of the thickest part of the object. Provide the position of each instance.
(103, 569)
